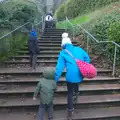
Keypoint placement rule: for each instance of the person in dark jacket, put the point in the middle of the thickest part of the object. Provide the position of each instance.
(33, 48)
(73, 75)
(46, 87)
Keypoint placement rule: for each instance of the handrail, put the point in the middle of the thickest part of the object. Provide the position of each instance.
(17, 29)
(91, 36)
(13, 30)
(67, 20)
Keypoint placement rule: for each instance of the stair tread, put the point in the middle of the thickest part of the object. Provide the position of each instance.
(36, 79)
(60, 100)
(26, 51)
(38, 70)
(90, 113)
(26, 56)
(22, 61)
(6, 89)
(80, 114)
(47, 36)
(47, 47)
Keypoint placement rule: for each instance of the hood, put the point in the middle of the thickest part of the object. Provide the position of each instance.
(65, 39)
(33, 33)
(49, 73)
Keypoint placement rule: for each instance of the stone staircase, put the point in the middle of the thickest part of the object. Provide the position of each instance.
(99, 97)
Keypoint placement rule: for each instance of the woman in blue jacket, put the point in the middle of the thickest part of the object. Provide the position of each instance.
(73, 75)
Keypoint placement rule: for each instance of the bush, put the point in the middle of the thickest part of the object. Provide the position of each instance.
(73, 8)
(104, 28)
(114, 35)
(13, 14)
(12, 43)
(107, 29)
(60, 14)
(114, 32)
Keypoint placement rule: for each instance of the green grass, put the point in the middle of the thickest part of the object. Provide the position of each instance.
(77, 20)
(93, 17)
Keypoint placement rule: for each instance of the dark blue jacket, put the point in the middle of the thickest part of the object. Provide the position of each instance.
(33, 43)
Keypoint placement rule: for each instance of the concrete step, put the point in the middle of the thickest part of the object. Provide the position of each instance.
(18, 80)
(45, 48)
(52, 42)
(39, 70)
(52, 34)
(28, 62)
(50, 37)
(101, 89)
(48, 44)
(45, 52)
(60, 102)
(38, 57)
(104, 113)
(53, 30)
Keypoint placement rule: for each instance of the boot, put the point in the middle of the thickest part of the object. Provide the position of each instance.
(70, 113)
(50, 118)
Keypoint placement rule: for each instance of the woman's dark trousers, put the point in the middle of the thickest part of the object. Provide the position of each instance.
(73, 88)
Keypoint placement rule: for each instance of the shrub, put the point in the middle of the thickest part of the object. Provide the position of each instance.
(107, 29)
(14, 13)
(60, 12)
(114, 35)
(12, 43)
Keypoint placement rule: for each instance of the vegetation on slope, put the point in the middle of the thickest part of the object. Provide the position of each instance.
(73, 8)
(104, 25)
(14, 13)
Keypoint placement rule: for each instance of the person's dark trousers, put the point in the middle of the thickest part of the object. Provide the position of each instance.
(72, 88)
(33, 60)
(46, 24)
(43, 108)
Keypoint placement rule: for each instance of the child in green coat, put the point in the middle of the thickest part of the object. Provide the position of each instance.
(46, 87)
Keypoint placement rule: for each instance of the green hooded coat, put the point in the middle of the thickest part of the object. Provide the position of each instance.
(46, 87)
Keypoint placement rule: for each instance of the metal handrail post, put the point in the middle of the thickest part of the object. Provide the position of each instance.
(42, 24)
(66, 24)
(71, 25)
(73, 33)
(87, 43)
(114, 62)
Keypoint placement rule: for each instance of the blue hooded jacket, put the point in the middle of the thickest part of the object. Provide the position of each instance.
(33, 33)
(73, 74)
